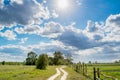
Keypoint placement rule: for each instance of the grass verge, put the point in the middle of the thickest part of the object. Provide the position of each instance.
(20, 72)
(72, 75)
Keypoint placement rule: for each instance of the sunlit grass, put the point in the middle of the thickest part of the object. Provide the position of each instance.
(72, 75)
(109, 70)
(20, 72)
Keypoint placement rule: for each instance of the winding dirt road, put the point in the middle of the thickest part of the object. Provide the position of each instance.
(59, 71)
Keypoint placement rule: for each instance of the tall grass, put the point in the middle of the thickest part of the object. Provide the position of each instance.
(20, 72)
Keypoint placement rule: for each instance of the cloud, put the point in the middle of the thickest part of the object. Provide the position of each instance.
(15, 49)
(19, 51)
(113, 20)
(30, 29)
(23, 12)
(78, 2)
(1, 28)
(13, 53)
(44, 1)
(52, 29)
(8, 34)
(95, 30)
(75, 37)
(1, 3)
(23, 40)
(91, 27)
(17, 1)
(54, 14)
(11, 58)
(112, 28)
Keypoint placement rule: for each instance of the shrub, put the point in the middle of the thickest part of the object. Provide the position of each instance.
(3, 63)
(42, 61)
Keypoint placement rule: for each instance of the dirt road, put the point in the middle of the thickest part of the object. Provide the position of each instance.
(58, 72)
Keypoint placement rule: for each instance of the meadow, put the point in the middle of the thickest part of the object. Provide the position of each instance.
(112, 70)
(20, 72)
(73, 75)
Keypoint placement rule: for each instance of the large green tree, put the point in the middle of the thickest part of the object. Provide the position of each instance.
(31, 58)
(42, 61)
(58, 58)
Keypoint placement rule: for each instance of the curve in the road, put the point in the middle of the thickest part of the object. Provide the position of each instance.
(56, 75)
(64, 77)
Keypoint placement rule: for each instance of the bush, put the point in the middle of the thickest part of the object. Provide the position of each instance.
(42, 61)
(3, 63)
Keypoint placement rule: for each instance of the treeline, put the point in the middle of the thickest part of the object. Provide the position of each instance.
(11, 63)
(43, 60)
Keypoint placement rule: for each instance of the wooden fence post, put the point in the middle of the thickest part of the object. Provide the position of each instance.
(98, 73)
(83, 69)
(79, 67)
(94, 73)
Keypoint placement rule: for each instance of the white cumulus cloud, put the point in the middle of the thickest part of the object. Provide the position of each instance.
(23, 12)
(10, 35)
(23, 40)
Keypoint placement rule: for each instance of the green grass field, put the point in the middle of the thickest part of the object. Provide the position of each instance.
(72, 75)
(109, 70)
(20, 72)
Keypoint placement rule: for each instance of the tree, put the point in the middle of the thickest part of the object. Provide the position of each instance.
(58, 58)
(31, 58)
(90, 62)
(42, 61)
(51, 60)
(3, 63)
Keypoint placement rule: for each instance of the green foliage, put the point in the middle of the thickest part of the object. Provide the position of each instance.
(31, 58)
(51, 60)
(58, 58)
(3, 63)
(42, 61)
(11, 63)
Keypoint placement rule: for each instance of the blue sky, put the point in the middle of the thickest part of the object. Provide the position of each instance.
(87, 29)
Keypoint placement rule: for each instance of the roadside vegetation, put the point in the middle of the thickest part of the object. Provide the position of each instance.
(73, 75)
(22, 72)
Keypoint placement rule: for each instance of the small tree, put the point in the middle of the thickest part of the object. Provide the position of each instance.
(42, 61)
(3, 63)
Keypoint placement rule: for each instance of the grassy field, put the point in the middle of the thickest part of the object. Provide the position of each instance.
(107, 69)
(74, 75)
(20, 72)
